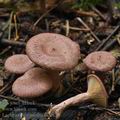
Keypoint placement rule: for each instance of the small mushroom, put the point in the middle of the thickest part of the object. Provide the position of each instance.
(100, 61)
(34, 83)
(53, 51)
(18, 64)
(96, 93)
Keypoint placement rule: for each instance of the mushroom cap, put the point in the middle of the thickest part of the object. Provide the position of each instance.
(100, 61)
(53, 51)
(33, 83)
(97, 90)
(18, 63)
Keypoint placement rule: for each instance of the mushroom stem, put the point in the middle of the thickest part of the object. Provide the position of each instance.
(96, 93)
(58, 109)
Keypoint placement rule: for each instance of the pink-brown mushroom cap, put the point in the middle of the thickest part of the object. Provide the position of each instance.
(34, 83)
(53, 51)
(18, 64)
(100, 61)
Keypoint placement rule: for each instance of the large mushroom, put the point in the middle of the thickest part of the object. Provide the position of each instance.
(53, 51)
(34, 83)
(96, 93)
(18, 64)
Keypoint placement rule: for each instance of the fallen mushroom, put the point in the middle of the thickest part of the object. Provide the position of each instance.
(96, 93)
(100, 61)
(34, 83)
(18, 64)
(53, 51)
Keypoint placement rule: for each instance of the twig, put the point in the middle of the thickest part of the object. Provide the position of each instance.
(47, 25)
(5, 50)
(84, 13)
(67, 27)
(113, 112)
(86, 26)
(4, 15)
(113, 80)
(4, 9)
(9, 33)
(8, 85)
(24, 102)
(16, 28)
(76, 28)
(57, 24)
(98, 12)
(46, 13)
(4, 28)
(105, 40)
(93, 107)
(13, 43)
(109, 45)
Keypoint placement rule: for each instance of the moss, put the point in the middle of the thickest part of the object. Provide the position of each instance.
(85, 4)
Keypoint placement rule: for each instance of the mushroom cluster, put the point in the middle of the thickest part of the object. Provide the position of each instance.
(47, 55)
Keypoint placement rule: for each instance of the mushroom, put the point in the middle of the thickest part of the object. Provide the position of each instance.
(100, 61)
(96, 93)
(53, 51)
(34, 83)
(18, 64)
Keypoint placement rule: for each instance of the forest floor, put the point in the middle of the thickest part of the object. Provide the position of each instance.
(96, 29)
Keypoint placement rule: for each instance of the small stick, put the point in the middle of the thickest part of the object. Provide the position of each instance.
(67, 28)
(109, 45)
(76, 28)
(4, 28)
(13, 43)
(5, 9)
(8, 85)
(5, 50)
(57, 24)
(46, 13)
(105, 40)
(98, 12)
(47, 25)
(16, 28)
(93, 107)
(4, 15)
(113, 112)
(9, 33)
(86, 26)
(113, 80)
(41, 17)
(84, 13)
(24, 102)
